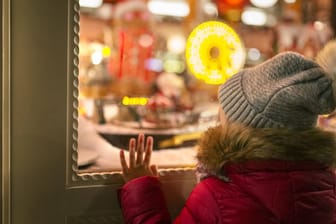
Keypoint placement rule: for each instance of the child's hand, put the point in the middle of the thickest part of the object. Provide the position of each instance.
(139, 159)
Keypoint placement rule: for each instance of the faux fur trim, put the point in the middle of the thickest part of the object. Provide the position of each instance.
(237, 143)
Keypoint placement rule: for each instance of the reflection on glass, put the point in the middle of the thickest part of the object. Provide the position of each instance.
(133, 78)
(133, 75)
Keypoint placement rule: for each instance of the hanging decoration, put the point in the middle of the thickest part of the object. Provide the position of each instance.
(231, 9)
(214, 52)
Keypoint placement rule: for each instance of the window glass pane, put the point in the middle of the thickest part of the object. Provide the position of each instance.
(134, 76)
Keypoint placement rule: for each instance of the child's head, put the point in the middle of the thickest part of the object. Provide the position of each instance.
(287, 91)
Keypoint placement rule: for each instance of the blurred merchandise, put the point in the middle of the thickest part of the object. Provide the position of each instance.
(142, 68)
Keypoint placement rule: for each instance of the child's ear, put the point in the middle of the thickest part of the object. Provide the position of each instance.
(222, 118)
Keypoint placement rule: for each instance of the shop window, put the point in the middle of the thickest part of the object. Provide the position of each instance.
(133, 78)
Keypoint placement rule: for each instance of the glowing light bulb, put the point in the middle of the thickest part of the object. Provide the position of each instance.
(90, 3)
(264, 3)
(214, 52)
(254, 17)
(176, 44)
(169, 8)
(96, 57)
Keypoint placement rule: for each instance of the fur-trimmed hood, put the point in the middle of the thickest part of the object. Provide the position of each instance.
(236, 143)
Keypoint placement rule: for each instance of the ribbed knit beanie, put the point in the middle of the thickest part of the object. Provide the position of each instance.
(286, 91)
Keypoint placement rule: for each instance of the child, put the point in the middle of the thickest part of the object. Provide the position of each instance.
(265, 163)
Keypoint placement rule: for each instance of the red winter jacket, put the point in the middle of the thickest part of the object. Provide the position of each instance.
(262, 181)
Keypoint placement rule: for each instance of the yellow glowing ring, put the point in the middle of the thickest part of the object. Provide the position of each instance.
(214, 52)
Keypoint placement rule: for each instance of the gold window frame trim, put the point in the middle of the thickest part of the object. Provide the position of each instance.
(6, 112)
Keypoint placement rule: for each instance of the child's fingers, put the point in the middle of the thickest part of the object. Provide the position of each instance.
(140, 141)
(131, 149)
(154, 170)
(148, 150)
(123, 162)
(140, 148)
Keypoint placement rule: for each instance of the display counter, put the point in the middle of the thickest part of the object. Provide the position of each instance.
(99, 144)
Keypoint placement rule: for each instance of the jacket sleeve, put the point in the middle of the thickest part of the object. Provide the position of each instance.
(142, 201)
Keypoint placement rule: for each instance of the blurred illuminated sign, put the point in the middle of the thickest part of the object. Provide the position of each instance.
(214, 52)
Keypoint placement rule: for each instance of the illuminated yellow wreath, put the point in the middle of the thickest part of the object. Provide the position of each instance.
(214, 52)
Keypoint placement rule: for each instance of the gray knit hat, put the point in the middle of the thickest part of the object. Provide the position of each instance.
(286, 91)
